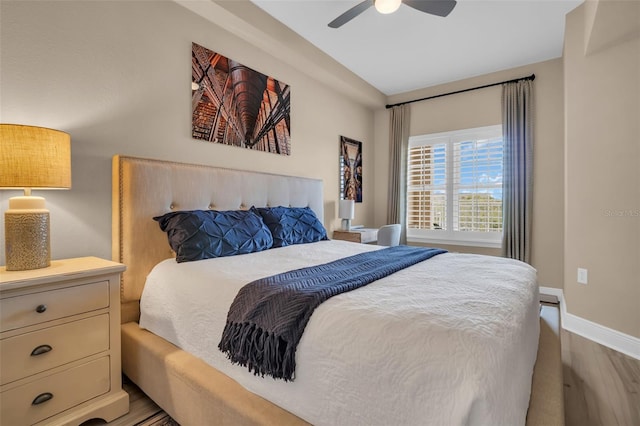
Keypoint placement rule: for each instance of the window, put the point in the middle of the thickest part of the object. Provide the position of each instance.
(454, 187)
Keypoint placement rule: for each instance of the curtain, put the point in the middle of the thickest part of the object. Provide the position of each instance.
(398, 147)
(517, 190)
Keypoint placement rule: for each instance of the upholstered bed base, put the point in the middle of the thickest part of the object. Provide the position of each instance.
(194, 393)
(546, 406)
(190, 390)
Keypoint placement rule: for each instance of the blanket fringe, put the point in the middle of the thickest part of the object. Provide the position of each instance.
(260, 351)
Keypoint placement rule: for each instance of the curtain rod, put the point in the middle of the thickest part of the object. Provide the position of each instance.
(530, 77)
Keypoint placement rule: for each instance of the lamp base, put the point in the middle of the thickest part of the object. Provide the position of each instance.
(27, 239)
(346, 224)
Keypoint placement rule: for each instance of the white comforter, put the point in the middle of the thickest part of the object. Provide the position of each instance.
(449, 341)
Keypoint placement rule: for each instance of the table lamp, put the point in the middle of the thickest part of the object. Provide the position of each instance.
(31, 158)
(346, 211)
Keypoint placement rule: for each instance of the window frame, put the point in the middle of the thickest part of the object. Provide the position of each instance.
(449, 235)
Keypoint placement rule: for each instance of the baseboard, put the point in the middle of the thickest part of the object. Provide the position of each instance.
(556, 292)
(606, 336)
(553, 292)
(613, 339)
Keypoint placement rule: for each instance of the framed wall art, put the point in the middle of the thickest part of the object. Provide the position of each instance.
(233, 104)
(350, 169)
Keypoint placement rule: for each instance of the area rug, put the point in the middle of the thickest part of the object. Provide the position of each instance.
(160, 419)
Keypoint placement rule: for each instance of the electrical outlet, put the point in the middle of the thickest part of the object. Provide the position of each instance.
(582, 276)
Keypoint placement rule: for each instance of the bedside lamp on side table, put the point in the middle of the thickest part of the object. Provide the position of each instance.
(31, 158)
(346, 211)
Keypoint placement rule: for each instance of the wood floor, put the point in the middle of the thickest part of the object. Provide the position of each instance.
(601, 388)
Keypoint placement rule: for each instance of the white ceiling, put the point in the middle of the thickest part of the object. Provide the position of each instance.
(409, 49)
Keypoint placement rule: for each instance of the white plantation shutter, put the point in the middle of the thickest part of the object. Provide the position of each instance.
(476, 187)
(454, 187)
(426, 187)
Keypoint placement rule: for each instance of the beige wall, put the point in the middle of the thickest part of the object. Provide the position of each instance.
(602, 163)
(482, 108)
(116, 76)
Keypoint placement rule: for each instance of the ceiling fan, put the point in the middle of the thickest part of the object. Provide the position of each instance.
(433, 7)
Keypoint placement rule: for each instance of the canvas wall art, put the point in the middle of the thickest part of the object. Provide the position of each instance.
(350, 169)
(233, 104)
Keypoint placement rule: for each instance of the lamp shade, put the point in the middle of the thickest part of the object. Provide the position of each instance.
(346, 209)
(34, 157)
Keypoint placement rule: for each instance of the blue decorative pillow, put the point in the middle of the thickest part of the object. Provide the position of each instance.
(292, 225)
(203, 234)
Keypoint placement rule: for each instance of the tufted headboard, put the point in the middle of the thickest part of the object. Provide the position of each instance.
(144, 188)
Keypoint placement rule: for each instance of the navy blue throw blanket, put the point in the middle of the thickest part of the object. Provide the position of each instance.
(267, 317)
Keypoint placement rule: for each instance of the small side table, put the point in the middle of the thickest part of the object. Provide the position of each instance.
(358, 235)
(60, 343)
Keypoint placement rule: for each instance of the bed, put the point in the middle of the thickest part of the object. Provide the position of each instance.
(192, 391)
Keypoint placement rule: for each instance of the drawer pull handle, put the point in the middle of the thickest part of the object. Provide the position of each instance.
(43, 397)
(41, 308)
(42, 349)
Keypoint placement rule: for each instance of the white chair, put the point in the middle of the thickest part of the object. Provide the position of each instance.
(389, 235)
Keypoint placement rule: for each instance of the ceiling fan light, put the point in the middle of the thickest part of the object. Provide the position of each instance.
(387, 6)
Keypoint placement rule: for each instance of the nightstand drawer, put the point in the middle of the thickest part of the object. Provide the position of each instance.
(27, 354)
(66, 389)
(34, 308)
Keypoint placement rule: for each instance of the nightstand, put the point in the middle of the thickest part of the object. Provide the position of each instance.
(357, 235)
(60, 343)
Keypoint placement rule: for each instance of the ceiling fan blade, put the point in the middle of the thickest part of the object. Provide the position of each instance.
(433, 7)
(351, 13)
